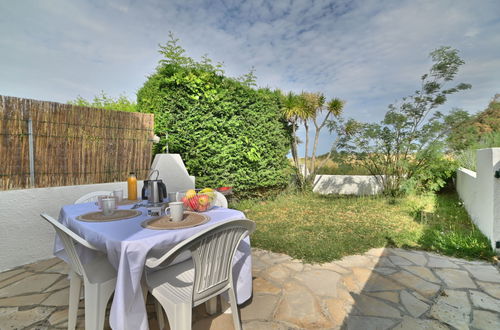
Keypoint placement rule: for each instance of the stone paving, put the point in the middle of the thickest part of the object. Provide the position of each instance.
(382, 289)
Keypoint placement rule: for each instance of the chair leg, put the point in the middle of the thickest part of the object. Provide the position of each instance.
(225, 306)
(96, 300)
(75, 287)
(179, 315)
(211, 305)
(234, 309)
(144, 287)
(159, 315)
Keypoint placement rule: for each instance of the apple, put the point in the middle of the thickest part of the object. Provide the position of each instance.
(193, 203)
(190, 193)
(203, 200)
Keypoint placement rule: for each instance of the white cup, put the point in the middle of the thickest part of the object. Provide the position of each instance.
(176, 211)
(173, 196)
(99, 200)
(118, 194)
(108, 206)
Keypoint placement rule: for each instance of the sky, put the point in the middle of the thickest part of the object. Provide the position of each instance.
(369, 53)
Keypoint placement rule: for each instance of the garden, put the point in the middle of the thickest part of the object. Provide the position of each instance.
(229, 132)
(389, 252)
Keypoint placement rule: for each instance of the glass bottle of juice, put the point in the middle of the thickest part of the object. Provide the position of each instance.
(132, 186)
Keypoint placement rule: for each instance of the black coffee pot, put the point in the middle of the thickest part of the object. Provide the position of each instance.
(155, 191)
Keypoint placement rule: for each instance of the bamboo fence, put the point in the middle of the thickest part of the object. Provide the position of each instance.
(71, 145)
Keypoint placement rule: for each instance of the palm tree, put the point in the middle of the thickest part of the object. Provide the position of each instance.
(303, 108)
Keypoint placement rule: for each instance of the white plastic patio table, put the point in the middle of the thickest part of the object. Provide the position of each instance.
(127, 244)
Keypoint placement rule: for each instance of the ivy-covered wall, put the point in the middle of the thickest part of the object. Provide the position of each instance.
(228, 133)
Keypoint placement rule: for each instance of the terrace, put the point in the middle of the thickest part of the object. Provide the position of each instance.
(383, 288)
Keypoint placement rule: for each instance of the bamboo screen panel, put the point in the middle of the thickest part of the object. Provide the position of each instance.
(72, 145)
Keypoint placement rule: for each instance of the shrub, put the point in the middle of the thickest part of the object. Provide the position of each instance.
(409, 141)
(227, 133)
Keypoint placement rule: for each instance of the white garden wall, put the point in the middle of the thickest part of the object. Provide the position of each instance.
(346, 185)
(480, 193)
(25, 237)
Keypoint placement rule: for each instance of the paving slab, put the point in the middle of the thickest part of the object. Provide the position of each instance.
(425, 288)
(410, 323)
(277, 273)
(423, 272)
(338, 309)
(42, 265)
(301, 308)
(416, 290)
(30, 284)
(400, 261)
(486, 273)
(333, 267)
(22, 301)
(18, 319)
(455, 278)
(294, 266)
(261, 285)
(452, 307)
(15, 278)
(365, 322)
(261, 308)
(385, 270)
(484, 320)
(492, 289)
(414, 306)
(370, 306)
(438, 262)
(418, 258)
(9, 273)
(320, 282)
(392, 296)
(355, 261)
(484, 301)
(58, 298)
(378, 252)
(261, 325)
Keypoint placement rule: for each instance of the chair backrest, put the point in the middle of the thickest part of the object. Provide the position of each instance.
(68, 238)
(212, 251)
(220, 200)
(91, 197)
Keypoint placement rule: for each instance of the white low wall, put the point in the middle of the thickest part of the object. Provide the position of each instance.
(25, 237)
(480, 193)
(346, 185)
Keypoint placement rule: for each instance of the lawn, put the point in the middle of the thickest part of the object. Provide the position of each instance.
(316, 228)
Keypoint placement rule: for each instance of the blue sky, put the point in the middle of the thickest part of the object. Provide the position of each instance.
(369, 53)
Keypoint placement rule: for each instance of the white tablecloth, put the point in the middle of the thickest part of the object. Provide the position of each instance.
(127, 244)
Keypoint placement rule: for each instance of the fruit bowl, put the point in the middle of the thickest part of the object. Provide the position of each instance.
(198, 200)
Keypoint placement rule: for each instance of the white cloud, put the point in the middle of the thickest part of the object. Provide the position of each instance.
(367, 52)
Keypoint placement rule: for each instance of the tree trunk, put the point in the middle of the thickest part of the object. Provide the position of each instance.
(295, 155)
(315, 146)
(306, 152)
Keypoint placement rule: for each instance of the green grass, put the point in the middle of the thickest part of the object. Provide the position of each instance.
(317, 228)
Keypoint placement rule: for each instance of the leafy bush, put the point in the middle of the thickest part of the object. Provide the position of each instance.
(468, 158)
(227, 133)
(475, 129)
(408, 143)
(103, 101)
(431, 178)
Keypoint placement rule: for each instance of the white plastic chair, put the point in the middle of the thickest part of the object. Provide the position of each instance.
(220, 200)
(91, 197)
(99, 278)
(207, 274)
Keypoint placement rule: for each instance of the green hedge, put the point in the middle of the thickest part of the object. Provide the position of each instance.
(227, 133)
